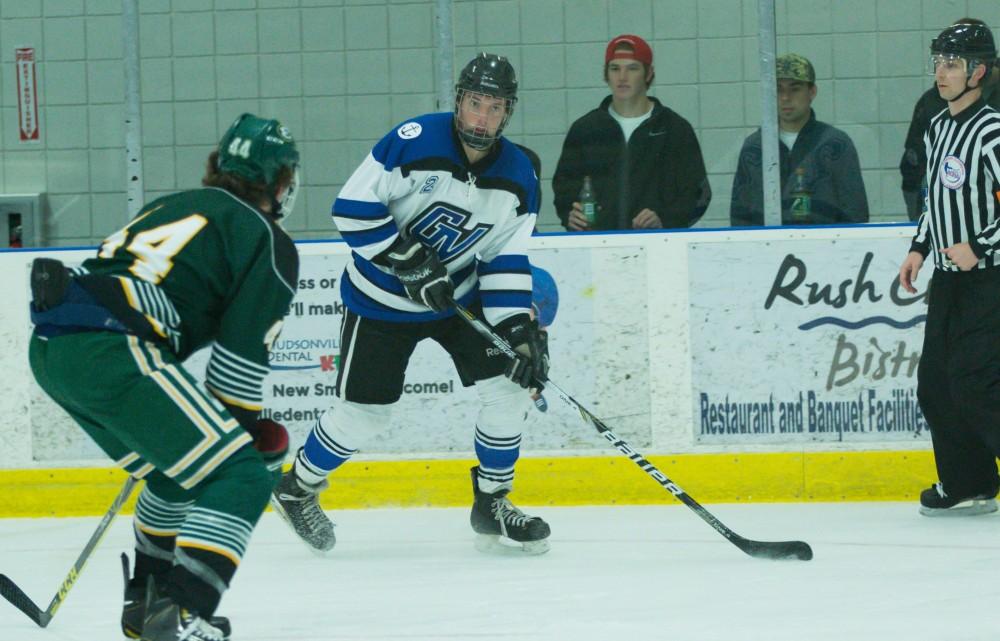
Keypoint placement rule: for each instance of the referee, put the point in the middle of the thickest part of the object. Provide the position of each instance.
(958, 381)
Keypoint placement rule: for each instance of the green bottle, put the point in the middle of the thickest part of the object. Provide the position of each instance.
(801, 197)
(588, 201)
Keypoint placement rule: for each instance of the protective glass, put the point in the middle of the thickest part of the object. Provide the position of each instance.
(950, 61)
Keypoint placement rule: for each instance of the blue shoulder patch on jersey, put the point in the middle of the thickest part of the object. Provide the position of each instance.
(427, 136)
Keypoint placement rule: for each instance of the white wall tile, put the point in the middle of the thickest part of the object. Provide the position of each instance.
(324, 74)
(22, 9)
(66, 127)
(323, 29)
(195, 123)
(411, 26)
(366, 27)
(719, 18)
(280, 75)
(105, 81)
(69, 219)
(367, 72)
(68, 172)
(65, 84)
(854, 16)
(156, 79)
(235, 32)
(193, 33)
(542, 67)
(109, 213)
(324, 118)
(586, 21)
(104, 37)
(368, 117)
(411, 70)
(542, 22)
(64, 39)
(280, 31)
(629, 16)
(155, 38)
(107, 170)
(62, 8)
(498, 23)
(106, 125)
(237, 76)
(20, 33)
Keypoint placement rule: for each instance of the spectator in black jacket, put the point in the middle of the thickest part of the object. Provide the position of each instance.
(913, 164)
(820, 155)
(643, 159)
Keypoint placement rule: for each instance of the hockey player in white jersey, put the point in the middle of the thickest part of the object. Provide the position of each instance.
(440, 210)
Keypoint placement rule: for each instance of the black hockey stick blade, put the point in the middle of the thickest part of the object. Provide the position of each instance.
(776, 550)
(21, 601)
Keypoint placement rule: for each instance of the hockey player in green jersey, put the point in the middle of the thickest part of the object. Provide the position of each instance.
(212, 268)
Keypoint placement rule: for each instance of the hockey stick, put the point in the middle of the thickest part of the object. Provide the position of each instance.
(758, 549)
(10, 591)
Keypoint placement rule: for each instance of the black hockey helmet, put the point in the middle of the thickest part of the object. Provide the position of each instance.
(971, 41)
(490, 75)
(257, 149)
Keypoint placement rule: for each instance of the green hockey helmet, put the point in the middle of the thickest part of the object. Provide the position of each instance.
(257, 150)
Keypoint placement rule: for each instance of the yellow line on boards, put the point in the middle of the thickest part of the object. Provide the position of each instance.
(592, 480)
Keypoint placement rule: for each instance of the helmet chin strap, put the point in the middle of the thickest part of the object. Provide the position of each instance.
(967, 87)
(964, 91)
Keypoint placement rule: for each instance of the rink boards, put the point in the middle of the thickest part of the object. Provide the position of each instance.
(764, 365)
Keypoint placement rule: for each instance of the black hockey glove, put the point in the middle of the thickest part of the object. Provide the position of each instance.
(531, 367)
(420, 270)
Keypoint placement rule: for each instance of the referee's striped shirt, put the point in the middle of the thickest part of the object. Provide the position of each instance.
(963, 185)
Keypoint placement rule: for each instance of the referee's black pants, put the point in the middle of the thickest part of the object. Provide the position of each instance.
(958, 380)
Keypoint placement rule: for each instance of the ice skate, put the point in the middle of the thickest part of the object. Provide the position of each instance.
(935, 502)
(502, 528)
(298, 504)
(167, 621)
(134, 611)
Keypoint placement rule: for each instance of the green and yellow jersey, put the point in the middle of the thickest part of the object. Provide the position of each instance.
(200, 268)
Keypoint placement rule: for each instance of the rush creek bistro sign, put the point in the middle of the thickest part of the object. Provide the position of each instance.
(803, 341)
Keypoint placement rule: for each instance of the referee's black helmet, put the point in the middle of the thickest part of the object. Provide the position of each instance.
(974, 42)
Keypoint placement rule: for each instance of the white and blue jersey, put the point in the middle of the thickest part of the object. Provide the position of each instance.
(416, 183)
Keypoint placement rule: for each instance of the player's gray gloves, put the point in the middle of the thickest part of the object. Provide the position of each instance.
(531, 343)
(420, 270)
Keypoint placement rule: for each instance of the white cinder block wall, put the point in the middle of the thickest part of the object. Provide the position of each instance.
(341, 72)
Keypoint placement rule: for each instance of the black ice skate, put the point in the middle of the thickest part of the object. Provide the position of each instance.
(167, 621)
(495, 518)
(134, 612)
(297, 503)
(935, 502)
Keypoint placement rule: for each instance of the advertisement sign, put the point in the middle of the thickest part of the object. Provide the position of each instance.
(599, 344)
(27, 94)
(804, 341)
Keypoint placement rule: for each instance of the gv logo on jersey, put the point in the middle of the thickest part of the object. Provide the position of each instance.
(444, 227)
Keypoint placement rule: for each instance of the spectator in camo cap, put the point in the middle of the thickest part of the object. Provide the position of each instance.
(825, 154)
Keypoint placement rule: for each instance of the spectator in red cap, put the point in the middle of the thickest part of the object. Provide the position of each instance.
(643, 160)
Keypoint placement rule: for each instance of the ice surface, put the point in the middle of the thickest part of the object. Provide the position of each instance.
(881, 573)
